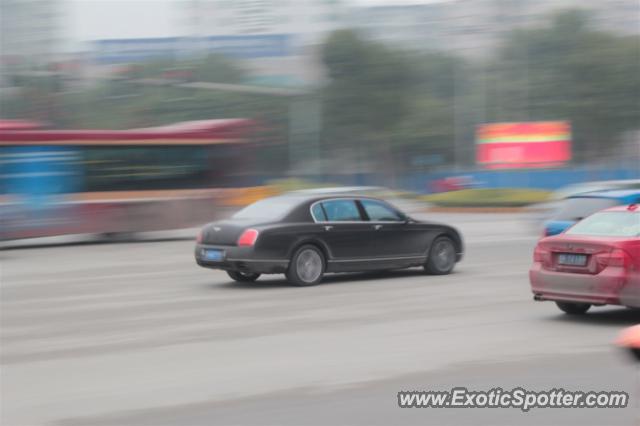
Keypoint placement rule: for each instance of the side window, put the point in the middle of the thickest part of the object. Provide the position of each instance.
(341, 210)
(378, 211)
(318, 213)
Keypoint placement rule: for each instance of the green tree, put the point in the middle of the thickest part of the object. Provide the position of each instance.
(367, 96)
(440, 119)
(567, 70)
(212, 68)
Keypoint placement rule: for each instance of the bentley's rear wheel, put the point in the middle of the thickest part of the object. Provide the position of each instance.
(306, 267)
(244, 277)
(442, 257)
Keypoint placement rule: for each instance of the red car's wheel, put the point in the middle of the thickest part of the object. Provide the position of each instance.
(571, 308)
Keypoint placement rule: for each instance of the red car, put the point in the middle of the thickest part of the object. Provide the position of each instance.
(595, 262)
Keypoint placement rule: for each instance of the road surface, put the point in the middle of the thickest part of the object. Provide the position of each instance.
(136, 333)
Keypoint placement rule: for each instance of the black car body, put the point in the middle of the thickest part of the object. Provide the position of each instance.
(348, 233)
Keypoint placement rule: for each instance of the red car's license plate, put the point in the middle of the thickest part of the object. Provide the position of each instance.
(572, 259)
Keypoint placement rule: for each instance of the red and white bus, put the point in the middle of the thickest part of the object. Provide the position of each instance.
(57, 182)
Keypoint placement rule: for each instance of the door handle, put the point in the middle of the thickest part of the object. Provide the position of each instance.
(377, 227)
(328, 228)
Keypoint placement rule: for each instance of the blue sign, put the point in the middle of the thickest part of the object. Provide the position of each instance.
(118, 51)
(36, 172)
(250, 46)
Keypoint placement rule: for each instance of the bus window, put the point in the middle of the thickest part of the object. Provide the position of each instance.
(146, 168)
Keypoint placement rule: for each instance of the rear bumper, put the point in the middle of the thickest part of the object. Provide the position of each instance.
(612, 286)
(243, 259)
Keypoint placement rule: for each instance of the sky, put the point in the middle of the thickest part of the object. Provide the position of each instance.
(102, 19)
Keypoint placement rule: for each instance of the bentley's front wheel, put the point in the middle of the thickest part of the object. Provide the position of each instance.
(442, 257)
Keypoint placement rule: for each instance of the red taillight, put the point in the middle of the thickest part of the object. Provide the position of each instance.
(200, 236)
(248, 237)
(619, 258)
(541, 255)
(601, 261)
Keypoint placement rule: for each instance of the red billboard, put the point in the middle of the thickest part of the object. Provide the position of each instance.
(523, 145)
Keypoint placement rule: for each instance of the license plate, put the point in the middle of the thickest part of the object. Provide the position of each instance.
(215, 255)
(572, 259)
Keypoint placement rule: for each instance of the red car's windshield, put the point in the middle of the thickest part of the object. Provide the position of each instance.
(609, 224)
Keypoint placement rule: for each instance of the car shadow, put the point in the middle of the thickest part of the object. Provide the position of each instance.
(604, 317)
(276, 281)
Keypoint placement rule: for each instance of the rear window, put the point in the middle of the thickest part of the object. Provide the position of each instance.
(267, 209)
(579, 208)
(609, 224)
(318, 213)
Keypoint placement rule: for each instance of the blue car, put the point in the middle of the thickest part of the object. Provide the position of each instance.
(577, 207)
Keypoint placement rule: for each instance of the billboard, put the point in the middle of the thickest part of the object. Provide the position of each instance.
(122, 51)
(118, 51)
(523, 145)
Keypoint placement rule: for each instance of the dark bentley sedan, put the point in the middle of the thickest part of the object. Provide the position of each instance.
(304, 236)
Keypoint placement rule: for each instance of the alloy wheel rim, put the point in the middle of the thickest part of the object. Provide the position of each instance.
(443, 255)
(309, 265)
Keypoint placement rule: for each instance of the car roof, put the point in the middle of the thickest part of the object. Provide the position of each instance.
(619, 194)
(624, 208)
(611, 182)
(605, 184)
(301, 197)
(338, 190)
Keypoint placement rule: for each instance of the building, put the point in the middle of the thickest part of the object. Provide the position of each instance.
(415, 27)
(31, 37)
(31, 32)
(276, 41)
(308, 19)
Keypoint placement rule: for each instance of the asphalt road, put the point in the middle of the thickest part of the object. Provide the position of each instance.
(136, 333)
